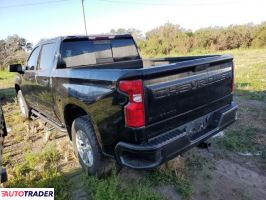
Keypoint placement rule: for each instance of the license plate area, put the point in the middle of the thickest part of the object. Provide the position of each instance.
(197, 128)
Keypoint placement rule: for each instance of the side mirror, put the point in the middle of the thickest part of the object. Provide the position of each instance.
(15, 68)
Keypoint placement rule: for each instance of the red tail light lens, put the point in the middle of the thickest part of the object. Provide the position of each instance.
(134, 110)
(233, 77)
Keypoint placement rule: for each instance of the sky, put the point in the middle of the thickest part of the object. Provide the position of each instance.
(37, 19)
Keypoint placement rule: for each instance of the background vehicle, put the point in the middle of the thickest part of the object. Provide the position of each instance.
(141, 112)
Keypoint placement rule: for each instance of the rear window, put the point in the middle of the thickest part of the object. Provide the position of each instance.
(87, 52)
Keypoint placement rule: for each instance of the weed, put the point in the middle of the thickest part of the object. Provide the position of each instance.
(184, 187)
(196, 162)
(242, 140)
(32, 158)
(6, 159)
(50, 154)
(111, 188)
(244, 196)
(181, 182)
(18, 138)
(40, 170)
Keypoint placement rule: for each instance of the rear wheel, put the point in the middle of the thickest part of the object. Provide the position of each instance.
(23, 105)
(86, 147)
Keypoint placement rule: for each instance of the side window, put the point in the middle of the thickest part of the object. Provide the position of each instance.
(32, 60)
(47, 56)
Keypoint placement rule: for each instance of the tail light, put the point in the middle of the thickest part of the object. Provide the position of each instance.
(134, 110)
(233, 77)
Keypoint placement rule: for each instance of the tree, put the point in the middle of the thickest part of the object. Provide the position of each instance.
(137, 34)
(13, 50)
(166, 39)
(260, 36)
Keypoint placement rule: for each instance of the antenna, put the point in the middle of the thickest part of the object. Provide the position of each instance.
(84, 17)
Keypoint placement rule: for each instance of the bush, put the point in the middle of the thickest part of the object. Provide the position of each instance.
(260, 39)
(173, 39)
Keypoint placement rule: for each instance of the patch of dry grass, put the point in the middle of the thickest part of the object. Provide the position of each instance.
(32, 159)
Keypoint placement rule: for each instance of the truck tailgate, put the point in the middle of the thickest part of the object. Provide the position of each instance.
(189, 86)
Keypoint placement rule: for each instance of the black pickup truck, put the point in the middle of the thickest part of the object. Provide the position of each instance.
(112, 103)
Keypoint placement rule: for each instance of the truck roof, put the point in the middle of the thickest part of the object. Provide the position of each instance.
(90, 37)
(99, 36)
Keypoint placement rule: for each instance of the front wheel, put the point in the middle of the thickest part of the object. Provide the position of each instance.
(23, 105)
(86, 146)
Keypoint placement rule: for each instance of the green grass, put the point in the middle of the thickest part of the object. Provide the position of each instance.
(40, 170)
(6, 79)
(7, 94)
(201, 167)
(112, 188)
(6, 159)
(167, 177)
(7, 91)
(178, 176)
(250, 73)
(241, 141)
(244, 140)
(247, 135)
(182, 174)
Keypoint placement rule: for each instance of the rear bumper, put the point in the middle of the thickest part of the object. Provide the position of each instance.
(172, 143)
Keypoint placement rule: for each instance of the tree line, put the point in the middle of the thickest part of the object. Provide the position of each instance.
(168, 39)
(173, 39)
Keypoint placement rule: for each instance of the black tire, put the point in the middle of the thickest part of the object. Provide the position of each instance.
(98, 167)
(24, 109)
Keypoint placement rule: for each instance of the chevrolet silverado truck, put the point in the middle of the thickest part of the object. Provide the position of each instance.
(112, 103)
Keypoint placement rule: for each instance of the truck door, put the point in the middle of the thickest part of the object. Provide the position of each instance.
(43, 85)
(29, 78)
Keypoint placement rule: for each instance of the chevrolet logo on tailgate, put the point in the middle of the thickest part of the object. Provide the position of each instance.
(192, 85)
